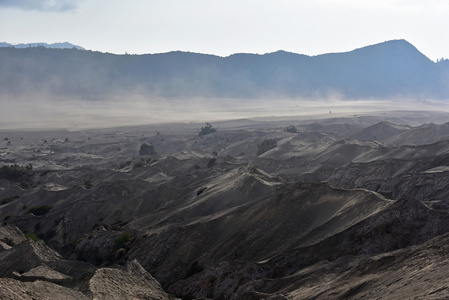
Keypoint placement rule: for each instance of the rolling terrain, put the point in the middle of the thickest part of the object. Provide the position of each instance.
(340, 207)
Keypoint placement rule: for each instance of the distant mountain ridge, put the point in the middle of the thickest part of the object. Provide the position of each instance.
(389, 70)
(65, 45)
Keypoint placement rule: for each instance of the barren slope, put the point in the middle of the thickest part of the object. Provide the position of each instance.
(211, 216)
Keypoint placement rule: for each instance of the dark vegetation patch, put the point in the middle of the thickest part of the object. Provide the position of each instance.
(124, 164)
(120, 254)
(8, 199)
(143, 163)
(291, 129)
(265, 146)
(31, 236)
(139, 164)
(146, 149)
(121, 246)
(88, 184)
(15, 172)
(118, 226)
(123, 241)
(207, 129)
(25, 184)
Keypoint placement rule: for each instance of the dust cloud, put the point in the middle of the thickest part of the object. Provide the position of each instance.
(49, 112)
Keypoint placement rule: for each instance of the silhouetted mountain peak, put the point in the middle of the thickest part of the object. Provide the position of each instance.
(394, 48)
(65, 45)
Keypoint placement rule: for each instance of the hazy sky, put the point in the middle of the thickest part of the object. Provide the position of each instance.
(226, 27)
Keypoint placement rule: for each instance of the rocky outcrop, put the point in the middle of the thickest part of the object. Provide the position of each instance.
(10, 236)
(130, 283)
(31, 270)
(26, 256)
(40, 290)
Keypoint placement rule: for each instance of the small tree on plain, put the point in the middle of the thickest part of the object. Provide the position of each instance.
(291, 129)
(207, 129)
(146, 149)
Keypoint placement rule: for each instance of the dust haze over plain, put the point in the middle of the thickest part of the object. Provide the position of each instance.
(70, 88)
(73, 115)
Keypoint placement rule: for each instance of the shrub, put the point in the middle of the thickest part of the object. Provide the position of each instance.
(118, 226)
(139, 164)
(266, 145)
(146, 149)
(31, 236)
(206, 129)
(8, 199)
(120, 253)
(123, 241)
(88, 184)
(291, 129)
(25, 184)
(15, 171)
(124, 164)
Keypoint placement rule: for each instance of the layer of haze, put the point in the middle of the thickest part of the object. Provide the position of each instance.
(226, 27)
(41, 113)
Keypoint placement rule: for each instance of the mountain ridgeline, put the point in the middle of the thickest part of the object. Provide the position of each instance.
(389, 70)
(64, 45)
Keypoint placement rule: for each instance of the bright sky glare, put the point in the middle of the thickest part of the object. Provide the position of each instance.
(227, 27)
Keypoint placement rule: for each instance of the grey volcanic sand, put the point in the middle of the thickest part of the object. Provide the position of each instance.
(352, 205)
